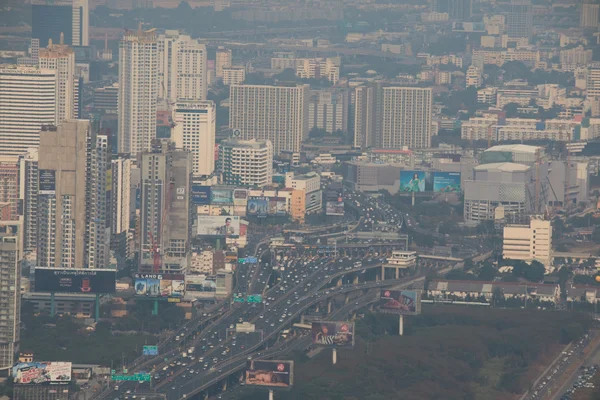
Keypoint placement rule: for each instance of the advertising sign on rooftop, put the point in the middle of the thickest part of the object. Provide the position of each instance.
(74, 280)
(47, 373)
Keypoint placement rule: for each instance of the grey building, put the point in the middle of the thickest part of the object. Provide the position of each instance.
(107, 99)
(328, 110)
(519, 20)
(11, 255)
(28, 196)
(371, 177)
(457, 9)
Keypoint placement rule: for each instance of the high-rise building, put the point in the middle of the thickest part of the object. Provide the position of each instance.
(182, 67)
(69, 17)
(365, 116)
(328, 110)
(474, 77)
(592, 81)
(457, 9)
(519, 21)
(405, 118)
(138, 82)
(590, 14)
(107, 99)
(165, 207)
(9, 186)
(120, 203)
(28, 196)
(61, 58)
(246, 162)
(194, 130)
(27, 102)
(234, 75)
(528, 242)
(275, 113)
(317, 68)
(71, 207)
(222, 59)
(11, 256)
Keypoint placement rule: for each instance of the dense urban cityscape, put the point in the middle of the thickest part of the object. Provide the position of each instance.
(299, 199)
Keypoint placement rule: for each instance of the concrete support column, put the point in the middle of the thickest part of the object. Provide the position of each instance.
(355, 280)
(397, 273)
(347, 298)
(329, 307)
(383, 272)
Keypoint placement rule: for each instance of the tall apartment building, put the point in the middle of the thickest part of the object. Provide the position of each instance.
(365, 116)
(28, 196)
(11, 256)
(61, 58)
(107, 99)
(246, 162)
(528, 242)
(9, 186)
(317, 68)
(119, 214)
(138, 82)
(234, 75)
(328, 110)
(474, 77)
(593, 81)
(275, 113)
(590, 14)
(165, 207)
(519, 20)
(456, 9)
(27, 102)
(182, 67)
(577, 57)
(71, 207)
(69, 17)
(405, 118)
(223, 58)
(194, 130)
(283, 60)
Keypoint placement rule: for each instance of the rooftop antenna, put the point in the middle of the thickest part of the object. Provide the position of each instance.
(62, 38)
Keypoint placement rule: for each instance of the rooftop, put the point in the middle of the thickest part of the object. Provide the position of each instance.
(503, 167)
(521, 148)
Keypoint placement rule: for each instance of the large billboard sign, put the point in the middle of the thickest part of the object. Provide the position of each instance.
(333, 333)
(270, 373)
(47, 181)
(200, 195)
(160, 286)
(423, 181)
(258, 207)
(221, 196)
(54, 280)
(221, 225)
(404, 302)
(150, 350)
(42, 373)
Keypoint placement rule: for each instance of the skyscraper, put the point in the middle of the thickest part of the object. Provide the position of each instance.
(405, 118)
(194, 130)
(328, 110)
(519, 21)
(70, 17)
(27, 102)
(223, 59)
(275, 113)
(181, 67)
(9, 185)
(593, 81)
(120, 202)
(138, 82)
(246, 162)
(365, 116)
(28, 196)
(61, 58)
(590, 13)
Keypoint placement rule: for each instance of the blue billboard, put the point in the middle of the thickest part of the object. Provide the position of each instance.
(446, 182)
(200, 195)
(424, 181)
(258, 206)
(221, 196)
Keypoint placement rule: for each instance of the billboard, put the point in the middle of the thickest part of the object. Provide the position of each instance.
(333, 333)
(423, 181)
(201, 195)
(270, 373)
(258, 207)
(277, 206)
(240, 194)
(200, 283)
(405, 302)
(156, 286)
(334, 201)
(220, 225)
(48, 373)
(221, 196)
(47, 181)
(314, 199)
(72, 280)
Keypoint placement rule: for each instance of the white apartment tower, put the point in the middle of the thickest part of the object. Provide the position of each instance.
(121, 193)
(194, 130)
(223, 59)
(181, 68)
(529, 242)
(590, 14)
(27, 102)
(593, 81)
(275, 113)
(246, 162)
(405, 118)
(138, 82)
(233, 75)
(61, 58)
(28, 195)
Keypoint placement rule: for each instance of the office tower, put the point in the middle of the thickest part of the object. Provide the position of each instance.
(120, 202)
(275, 113)
(590, 13)
(70, 17)
(61, 58)
(28, 196)
(365, 116)
(107, 99)
(71, 206)
(222, 59)
(34, 51)
(246, 162)
(194, 130)
(405, 118)
(27, 102)
(233, 75)
(519, 21)
(165, 207)
(457, 9)
(11, 256)
(328, 110)
(181, 67)
(592, 81)
(9, 186)
(138, 80)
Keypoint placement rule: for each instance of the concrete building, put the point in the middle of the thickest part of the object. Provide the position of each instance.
(317, 68)
(224, 283)
(590, 14)
(275, 113)
(67, 17)
(246, 162)
(519, 20)
(365, 116)
(27, 102)
(310, 185)
(459, 290)
(474, 77)
(194, 130)
(528, 242)
(107, 99)
(405, 118)
(233, 75)
(138, 83)
(9, 187)
(11, 257)
(28, 197)
(593, 81)
(72, 205)
(222, 59)
(120, 214)
(328, 110)
(460, 10)
(182, 66)
(577, 57)
(283, 60)
(165, 207)
(397, 262)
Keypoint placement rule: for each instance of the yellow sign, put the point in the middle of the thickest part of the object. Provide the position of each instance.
(174, 300)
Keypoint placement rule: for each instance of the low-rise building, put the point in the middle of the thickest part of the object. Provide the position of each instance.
(528, 242)
(459, 290)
